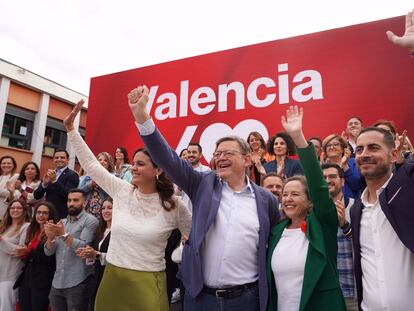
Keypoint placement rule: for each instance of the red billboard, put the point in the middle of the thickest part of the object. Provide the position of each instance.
(335, 74)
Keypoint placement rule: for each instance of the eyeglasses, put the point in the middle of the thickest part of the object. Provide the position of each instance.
(226, 153)
(332, 145)
(330, 176)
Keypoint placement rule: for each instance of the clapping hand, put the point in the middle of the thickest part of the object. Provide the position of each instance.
(407, 40)
(86, 252)
(340, 210)
(345, 158)
(54, 230)
(18, 185)
(52, 175)
(19, 251)
(10, 186)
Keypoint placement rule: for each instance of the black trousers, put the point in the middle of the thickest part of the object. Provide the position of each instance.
(171, 267)
(34, 299)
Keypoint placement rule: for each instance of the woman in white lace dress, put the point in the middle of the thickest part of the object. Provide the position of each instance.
(144, 213)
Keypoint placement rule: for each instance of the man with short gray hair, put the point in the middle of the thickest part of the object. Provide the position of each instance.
(224, 260)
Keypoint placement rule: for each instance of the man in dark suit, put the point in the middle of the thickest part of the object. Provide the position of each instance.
(224, 259)
(57, 182)
(382, 225)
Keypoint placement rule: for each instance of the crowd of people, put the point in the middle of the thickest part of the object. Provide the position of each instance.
(287, 224)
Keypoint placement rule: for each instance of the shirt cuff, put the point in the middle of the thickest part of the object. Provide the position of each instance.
(146, 128)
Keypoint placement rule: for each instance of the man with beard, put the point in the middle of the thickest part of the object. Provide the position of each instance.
(194, 154)
(334, 177)
(274, 183)
(71, 282)
(382, 225)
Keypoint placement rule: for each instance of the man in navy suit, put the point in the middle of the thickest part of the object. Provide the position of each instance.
(383, 225)
(224, 259)
(57, 182)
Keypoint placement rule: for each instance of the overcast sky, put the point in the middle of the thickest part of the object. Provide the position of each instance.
(71, 41)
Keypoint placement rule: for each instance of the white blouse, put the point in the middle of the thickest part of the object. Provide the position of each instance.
(10, 267)
(140, 225)
(4, 192)
(288, 266)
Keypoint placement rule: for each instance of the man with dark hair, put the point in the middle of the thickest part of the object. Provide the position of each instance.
(274, 183)
(334, 177)
(194, 155)
(57, 182)
(317, 143)
(382, 224)
(71, 286)
(353, 128)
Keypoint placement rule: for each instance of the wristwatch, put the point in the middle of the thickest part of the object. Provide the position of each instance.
(64, 236)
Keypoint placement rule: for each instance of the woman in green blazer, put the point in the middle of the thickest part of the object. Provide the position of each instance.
(301, 267)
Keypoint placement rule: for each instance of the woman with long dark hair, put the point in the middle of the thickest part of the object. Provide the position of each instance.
(97, 252)
(95, 195)
(282, 147)
(8, 177)
(27, 182)
(12, 236)
(145, 212)
(302, 264)
(258, 153)
(122, 166)
(36, 278)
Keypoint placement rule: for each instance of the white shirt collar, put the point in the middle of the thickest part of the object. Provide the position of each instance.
(364, 195)
(247, 188)
(61, 169)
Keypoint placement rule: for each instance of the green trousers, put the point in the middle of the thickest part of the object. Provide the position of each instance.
(130, 290)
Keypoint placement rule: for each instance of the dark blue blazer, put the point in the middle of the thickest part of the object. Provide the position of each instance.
(205, 190)
(292, 167)
(397, 204)
(57, 192)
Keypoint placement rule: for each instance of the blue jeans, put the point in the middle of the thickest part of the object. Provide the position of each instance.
(247, 301)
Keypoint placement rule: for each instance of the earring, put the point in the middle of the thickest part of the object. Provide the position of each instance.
(156, 176)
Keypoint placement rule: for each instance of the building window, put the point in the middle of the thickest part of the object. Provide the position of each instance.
(55, 137)
(17, 128)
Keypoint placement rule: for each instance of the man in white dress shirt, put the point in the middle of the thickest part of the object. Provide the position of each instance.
(224, 260)
(382, 225)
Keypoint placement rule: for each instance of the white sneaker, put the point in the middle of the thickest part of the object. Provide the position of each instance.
(176, 296)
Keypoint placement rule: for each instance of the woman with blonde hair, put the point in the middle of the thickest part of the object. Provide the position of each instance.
(12, 237)
(335, 150)
(95, 195)
(302, 268)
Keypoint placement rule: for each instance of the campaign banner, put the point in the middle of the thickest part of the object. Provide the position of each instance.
(333, 75)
